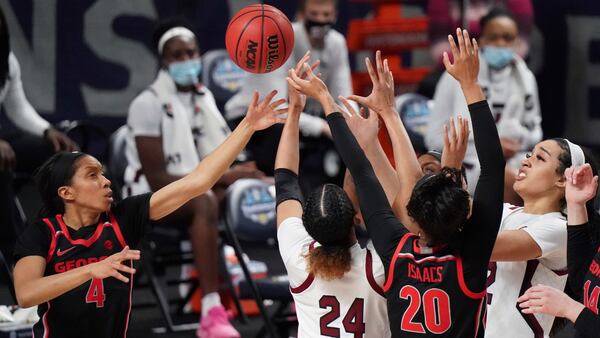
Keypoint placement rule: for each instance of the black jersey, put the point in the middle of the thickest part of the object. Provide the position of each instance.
(427, 291)
(583, 254)
(429, 294)
(99, 307)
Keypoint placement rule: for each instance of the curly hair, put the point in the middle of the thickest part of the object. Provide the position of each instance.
(440, 206)
(328, 218)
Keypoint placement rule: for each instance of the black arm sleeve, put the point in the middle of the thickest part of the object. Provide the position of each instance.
(286, 186)
(588, 323)
(481, 230)
(383, 226)
(580, 252)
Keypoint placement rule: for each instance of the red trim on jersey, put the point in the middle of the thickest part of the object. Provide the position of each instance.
(463, 285)
(45, 322)
(52, 240)
(117, 228)
(85, 242)
(309, 279)
(561, 272)
(532, 322)
(370, 277)
(478, 317)
(390, 276)
(130, 296)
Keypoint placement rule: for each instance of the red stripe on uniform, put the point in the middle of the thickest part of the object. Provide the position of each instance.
(370, 277)
(130, 296)
(390, 276)
(117, 228)
(85, 242)
(463, 285)
(52, 241)
(309, 279)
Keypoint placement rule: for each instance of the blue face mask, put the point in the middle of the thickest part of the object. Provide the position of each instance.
(185, 73)
(498, 57)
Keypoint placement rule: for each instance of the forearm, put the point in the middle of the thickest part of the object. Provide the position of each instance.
(383, 170)
(204, 176)
(408, 169)
(288, 152)
(37, 291)
(580, 253)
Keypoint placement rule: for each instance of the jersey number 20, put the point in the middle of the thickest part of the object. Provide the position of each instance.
(95, 293)
(436, 310)
(353, 320)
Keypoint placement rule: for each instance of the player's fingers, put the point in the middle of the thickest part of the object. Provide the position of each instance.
(452, 131)
(293, 84)
(446, 61)
(304, 58)
(461, 43)
(468, 46)
(359, 99)
(347, 104)
(273, 105)
(379, 65)
(446, 140)
(475, 50)
(308, 71)
(125, 268)
(312, 67)
(254, 100)
(120, 277)
(371, 71)
(453, 47)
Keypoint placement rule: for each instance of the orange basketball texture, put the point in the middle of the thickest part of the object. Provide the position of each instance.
(259, 38)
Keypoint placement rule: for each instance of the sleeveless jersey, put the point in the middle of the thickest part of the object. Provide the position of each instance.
(353, 306)
(101, 306)
(507, 281)
(427, 294)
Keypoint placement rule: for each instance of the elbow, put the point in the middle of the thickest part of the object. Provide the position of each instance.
(24, 300)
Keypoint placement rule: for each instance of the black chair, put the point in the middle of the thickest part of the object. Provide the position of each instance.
(250, 217)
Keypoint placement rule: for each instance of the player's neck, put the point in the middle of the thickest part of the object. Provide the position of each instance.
(76, 219)
(540, 206)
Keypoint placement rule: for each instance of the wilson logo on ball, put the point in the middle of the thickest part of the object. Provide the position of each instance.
(259, 38)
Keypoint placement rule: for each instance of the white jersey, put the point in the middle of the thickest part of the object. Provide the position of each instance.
(507, 281)
(352, 306)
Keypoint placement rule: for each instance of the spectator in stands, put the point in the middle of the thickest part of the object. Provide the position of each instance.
(24, 148)
(174, 124)
(511, 90)
(313, 31)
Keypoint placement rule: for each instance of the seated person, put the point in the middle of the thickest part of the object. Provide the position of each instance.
(24, 148)
(511, 91)
(174, 124)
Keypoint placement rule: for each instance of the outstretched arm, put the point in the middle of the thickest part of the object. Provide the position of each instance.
(381, 100)
(260, 115)
(384, 228)
(289, 197)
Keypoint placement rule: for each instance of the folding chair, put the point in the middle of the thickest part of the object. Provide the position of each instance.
(250, 216)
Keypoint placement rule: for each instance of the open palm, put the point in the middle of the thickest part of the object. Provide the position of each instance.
(581, 184)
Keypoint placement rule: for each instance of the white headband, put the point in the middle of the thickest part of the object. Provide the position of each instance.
(171, 33)
(577, 156)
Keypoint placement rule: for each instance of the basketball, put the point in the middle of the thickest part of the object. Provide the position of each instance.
(259, 38)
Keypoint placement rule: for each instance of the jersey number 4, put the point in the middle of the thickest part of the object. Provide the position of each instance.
(436, 310)
(96, 293)
(353, 320)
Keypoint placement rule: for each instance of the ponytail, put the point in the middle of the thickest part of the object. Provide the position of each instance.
(329, 262)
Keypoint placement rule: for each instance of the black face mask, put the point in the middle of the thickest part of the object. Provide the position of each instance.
(316, 29)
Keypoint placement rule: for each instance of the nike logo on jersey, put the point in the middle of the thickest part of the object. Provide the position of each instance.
(60, 253)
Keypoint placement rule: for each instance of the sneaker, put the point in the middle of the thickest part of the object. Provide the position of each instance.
(216, 325)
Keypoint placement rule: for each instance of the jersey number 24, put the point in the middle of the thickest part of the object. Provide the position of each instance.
(353, 320)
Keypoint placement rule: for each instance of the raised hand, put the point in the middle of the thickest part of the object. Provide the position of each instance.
(455, 142)
(60, 141)
(364, 129)
(466, 58)
(263, 114)
(582, 184)
(297, 100)
(112, 266)
(312, 86)
(381, 99)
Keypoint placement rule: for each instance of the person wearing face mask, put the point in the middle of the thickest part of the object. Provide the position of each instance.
(314, 32)
(173, 125)
(512, 93)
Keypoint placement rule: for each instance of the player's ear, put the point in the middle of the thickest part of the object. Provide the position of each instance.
(66, 193)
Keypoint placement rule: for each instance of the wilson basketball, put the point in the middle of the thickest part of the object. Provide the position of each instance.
(259, 38)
